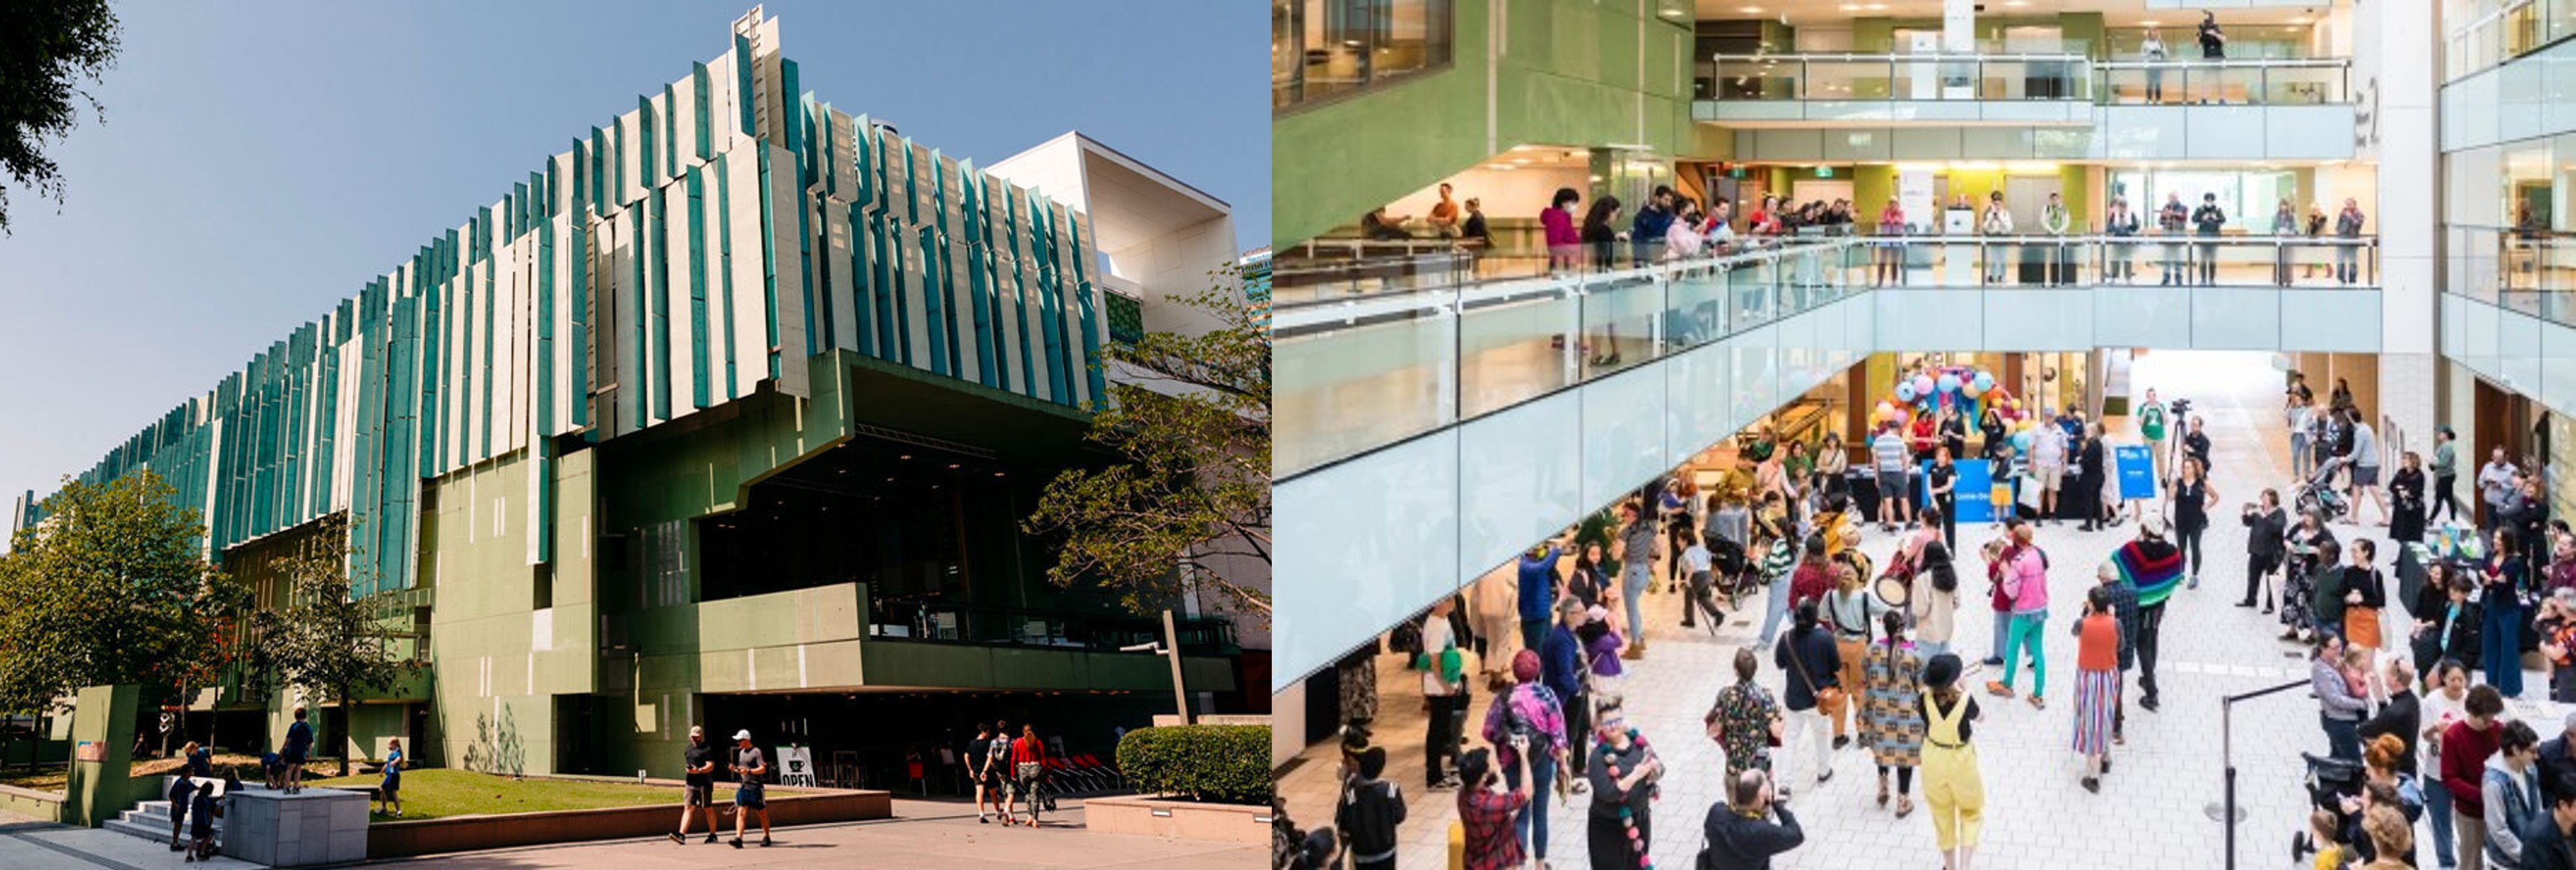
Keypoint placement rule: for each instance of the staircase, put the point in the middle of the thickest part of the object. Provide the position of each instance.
(151, 819)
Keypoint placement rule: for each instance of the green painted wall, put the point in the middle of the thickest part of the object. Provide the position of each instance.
(1872, 185)
(1574, 74)
(1876, 35)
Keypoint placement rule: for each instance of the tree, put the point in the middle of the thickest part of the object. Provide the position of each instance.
(1189, 417)
(110, 588)
(45, 50)
(324, 641)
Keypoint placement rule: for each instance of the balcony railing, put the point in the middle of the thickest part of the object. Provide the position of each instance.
(2531, 271)
(2023, 77)
(1361, 370)
(1053, 629)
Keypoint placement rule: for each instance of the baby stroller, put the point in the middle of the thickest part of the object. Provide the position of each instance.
(2330, 780)
(2318, 494)
(1733, 571)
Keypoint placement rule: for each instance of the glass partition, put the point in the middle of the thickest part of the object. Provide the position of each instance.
(2019, 77)
(2481, 34)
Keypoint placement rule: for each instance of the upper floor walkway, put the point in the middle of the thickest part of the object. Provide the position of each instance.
(1434, 420)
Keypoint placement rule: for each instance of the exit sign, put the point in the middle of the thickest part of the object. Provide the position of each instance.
(1824, 172)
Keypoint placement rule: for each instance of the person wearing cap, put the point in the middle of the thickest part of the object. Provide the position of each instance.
(1953, 788)
(2154, 568)
(1528, 721)
(698, 764)
(749, 795)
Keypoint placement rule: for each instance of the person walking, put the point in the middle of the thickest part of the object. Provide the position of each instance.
(2510, 786)
(1444, 695)
(1852, 609)
(1562, 656)
(2265, 534)
(2299, 417)
(2406, 497)
(1995, 224)
(2170, 221)
(182, 788)
(1564, 242)
(1776, 559)
(389, 792)
(299, 741)
(2446, 474)
(2206, 221)
(1952, 785)
(1891, 714)
(2153, 567)
(2500, 605)
(1526, 726)
(1699, 566)
(2348, 254)
(1888, 458)
(1619, 829)
(751, 770)
(1813, 665)
(1486, 812)
(2466, 746)
(1367, 813)
(2097, 685)
(2364, 456)
(979, 770)
(1934, 604)
(2026, 580)
(2339, 711)
(1745, 719)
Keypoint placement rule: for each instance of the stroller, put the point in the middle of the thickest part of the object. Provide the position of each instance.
(2318, 494)
(2330, 780)
(1733, 572)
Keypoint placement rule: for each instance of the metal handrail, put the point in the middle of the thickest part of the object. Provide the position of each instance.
(1919, 56)
(1451, 299)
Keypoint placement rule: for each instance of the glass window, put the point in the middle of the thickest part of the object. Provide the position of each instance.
(1324, 48)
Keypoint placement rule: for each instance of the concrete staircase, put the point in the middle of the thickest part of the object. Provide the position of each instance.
(151, 819)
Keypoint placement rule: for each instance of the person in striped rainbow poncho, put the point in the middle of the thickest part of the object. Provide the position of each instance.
(2154, 567)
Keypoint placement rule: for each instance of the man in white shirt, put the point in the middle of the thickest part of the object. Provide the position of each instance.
(1446, 692)
(2047, 463)
(2495, 484)
(2365, 470)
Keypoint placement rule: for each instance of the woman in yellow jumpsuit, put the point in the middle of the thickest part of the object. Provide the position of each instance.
(1951, 783)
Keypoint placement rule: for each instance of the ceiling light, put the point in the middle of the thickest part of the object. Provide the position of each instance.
(1672, 13)
(905, 456)
(1751, 10)
(2147, 23)
(1878, 7)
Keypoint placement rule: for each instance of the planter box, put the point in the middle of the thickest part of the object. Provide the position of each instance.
(463, 833)
(1178, 820)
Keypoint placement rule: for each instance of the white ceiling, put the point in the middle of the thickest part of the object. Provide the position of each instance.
(2118, 13)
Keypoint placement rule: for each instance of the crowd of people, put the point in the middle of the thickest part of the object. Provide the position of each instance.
(2402, 698)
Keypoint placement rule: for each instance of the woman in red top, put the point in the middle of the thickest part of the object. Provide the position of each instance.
(1998, 554)
(1813, 578)
(1765, 220)
(2097, 684)
(1028, 767)
(1922, 438)
(1564, 245)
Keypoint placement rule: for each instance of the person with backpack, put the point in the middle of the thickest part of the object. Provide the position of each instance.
(1368, 813)
(1527, 724)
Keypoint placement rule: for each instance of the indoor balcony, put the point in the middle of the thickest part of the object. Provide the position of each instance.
(1431, 423)
(1879, 107)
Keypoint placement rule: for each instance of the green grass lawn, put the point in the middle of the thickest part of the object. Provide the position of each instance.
(440, 792)
(41, 779)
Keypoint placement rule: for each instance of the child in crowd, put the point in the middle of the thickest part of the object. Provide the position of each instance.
(2356, 671)
(2332, 854)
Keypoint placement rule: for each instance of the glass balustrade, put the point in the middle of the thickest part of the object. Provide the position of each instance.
(2022, 77)
(1362, 367)
(2530, 271)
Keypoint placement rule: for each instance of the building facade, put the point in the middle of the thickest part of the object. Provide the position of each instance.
(762, 390)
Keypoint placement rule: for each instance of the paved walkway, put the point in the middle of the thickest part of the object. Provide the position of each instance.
(923, 835)
(2150, 810)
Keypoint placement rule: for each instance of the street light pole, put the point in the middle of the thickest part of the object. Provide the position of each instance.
(1172, 647)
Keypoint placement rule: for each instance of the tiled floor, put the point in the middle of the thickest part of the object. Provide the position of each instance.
(2150, 810)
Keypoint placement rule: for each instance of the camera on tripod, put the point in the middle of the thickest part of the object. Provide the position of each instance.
(2180, 408)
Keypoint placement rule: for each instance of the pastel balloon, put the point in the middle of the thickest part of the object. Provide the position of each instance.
(2021, 440)
(1984, 381)
(1922, 385)
(1971, 390)
(1905, 392)
(1949, 383)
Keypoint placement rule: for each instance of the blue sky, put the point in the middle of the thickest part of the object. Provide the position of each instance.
(261, 161)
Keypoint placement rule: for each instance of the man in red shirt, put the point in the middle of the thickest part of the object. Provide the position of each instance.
(1814, 577)
(2465, 747)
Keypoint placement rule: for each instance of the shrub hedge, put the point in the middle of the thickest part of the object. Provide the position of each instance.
(1221, 763)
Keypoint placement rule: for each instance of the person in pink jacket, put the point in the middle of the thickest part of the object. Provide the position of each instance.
(1564, 245)
(2026, 580)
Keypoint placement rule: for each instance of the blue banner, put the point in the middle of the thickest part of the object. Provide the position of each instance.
(2137, 470)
